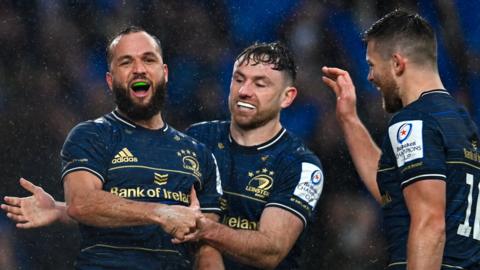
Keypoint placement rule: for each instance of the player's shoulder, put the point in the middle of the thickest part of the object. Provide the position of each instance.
(208, 130)
(295, 150)
(431, 105)
(93, 127)
(185, 140)
(209, 126)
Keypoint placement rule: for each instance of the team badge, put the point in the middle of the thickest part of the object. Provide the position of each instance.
(190, 162)
(260, 182)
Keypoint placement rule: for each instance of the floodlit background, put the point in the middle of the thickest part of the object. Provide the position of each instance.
(52, 69)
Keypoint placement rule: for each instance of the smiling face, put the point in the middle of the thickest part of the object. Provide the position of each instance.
(381, 75)
(257, 94)
(137, 75)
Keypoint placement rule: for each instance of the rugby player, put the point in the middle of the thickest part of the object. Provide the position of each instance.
(426, 175)
(130, 179)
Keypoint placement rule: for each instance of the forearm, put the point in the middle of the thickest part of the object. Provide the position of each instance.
(364, 152)
(208, 258)
(245, 246)
(425, 247)
(102, 209)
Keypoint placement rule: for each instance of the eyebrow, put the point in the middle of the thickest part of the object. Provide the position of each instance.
(255, 78)
(129, 56)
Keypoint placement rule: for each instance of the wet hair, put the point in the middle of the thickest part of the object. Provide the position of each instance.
(274, 53)
(126, 31)
(405, 32)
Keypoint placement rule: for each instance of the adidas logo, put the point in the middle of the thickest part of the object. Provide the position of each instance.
(124, 156)
(160, 179)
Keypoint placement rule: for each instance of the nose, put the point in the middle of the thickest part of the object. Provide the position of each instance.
(370, 75)
(246, 90)
(138, 67)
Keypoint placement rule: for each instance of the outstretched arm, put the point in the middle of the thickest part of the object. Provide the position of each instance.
(37, 210)
(363, 150)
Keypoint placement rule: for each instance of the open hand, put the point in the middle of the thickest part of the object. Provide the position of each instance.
(34, 211)
(341, 84)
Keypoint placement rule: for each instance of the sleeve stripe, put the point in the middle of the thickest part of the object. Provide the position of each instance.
(211, 209)
(439, 176)
(83, 169)
(290, 210)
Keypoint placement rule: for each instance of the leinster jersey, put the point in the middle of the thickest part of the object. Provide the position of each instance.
(433, 138)
(158, 166)
(279, 173)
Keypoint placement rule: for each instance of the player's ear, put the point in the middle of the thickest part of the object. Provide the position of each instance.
(165, 72)
(288, 97)
(398, 63)
(109, 79)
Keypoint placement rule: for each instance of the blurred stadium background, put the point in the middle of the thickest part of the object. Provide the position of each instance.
(52, 69)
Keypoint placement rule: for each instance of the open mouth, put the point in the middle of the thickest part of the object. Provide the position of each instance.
(245, 105)
(140, 89)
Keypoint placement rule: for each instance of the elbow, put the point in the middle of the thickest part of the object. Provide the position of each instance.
(75, 209)
(271, 261)
(436, 226)
(433, 227)
(438, 229)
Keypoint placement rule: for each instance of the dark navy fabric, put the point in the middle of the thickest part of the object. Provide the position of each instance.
(279, 173)
(143, 165)
(433, 138)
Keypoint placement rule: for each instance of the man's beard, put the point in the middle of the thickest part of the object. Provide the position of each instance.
(253, 122)
(138, 112)
(391, 100)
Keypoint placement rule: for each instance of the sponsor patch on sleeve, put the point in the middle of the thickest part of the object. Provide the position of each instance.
(407, 141)
(310, 186)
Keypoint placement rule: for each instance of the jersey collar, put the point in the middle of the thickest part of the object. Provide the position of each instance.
(261, 146)
(435, 91)
(132, 124)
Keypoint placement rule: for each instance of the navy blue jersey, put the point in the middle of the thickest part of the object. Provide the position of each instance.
(279, 173)
(433, 138)
(142, 165)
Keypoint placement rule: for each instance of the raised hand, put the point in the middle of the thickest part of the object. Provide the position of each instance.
(178, 220)
(340, 82)
(34, 211)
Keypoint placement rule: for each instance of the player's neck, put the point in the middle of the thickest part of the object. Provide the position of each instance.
(256, 136)
(420, 81)
(154, 123)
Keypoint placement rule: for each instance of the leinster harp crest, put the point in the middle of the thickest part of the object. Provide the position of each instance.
(260, 182)
(190, 161)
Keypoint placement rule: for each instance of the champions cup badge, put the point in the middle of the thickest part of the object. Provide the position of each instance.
(403, 132)
(317, 177)
(261, 181)
(190, 162)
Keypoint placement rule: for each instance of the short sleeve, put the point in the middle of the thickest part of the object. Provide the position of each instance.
(298, 189)
(418, 149)
(84, 149)
(211, 191)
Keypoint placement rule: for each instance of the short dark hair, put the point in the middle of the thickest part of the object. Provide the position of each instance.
(126, 31)
(274, 53)
(406, 31)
